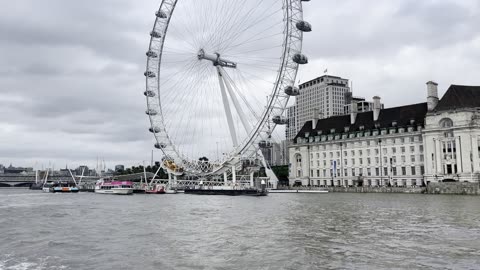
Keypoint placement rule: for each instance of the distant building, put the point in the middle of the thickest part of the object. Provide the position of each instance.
(16, 170)
(83, 170)
(362, 105)
(119, 168)
(291, 128)
(411, 145)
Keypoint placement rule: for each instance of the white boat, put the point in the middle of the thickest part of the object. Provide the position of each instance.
(114, 187)
(47, 187)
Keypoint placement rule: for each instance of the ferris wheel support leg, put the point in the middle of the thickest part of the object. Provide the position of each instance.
(234, 175)
(251, 179)
(240, 112)
(273, 180)
(226, 106)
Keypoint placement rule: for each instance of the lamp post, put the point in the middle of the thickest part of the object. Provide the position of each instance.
(381, 160)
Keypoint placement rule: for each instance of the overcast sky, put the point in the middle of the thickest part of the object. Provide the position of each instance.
(71, 72)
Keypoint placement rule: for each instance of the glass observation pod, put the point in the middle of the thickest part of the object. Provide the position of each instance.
(149, 93)
(250, 162)
(280, 120)
(300, 59)
(155, 130)
(304, 26)
(160, 145)
(161, 14)
(149, 74)
(265, 144)
(151, 112)
(155, 34)
(152, 54)
(292, 91)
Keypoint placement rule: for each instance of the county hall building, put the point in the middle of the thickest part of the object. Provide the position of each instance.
(412, 145)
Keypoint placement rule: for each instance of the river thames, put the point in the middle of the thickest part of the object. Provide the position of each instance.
(280, 231)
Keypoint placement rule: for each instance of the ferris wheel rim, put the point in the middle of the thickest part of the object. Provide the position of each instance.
(292, 10)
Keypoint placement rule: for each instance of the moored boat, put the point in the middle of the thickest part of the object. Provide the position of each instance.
(155, 189)
(64, 187)
(46, 186)
(114, 187)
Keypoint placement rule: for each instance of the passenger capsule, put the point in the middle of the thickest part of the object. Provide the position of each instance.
(149, 74)
(160, 145)
(155, 129)
(300, 59)
(161, 14)
(304, 26)
(151, 112)
(149, 93)
(155, 34)
(152, 54)
(292, 91)
(280, 120)
(265, 144)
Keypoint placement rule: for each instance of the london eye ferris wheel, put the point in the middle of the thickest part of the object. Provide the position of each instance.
(210, 65)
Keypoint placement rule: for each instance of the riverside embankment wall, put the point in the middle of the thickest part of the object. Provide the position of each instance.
(454, 188)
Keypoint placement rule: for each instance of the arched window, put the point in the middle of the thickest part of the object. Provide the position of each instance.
(446, 123)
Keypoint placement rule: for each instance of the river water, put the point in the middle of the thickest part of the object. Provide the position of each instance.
(280, 231)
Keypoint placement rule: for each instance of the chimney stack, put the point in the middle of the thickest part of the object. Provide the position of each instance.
(432, 95)
(376, 108)
(353, 112)
(315, 118)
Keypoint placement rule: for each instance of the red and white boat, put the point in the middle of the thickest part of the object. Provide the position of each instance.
(155, 189)
(114, 187)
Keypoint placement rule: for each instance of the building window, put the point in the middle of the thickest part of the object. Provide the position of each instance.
(403, 159)
(422, 170)
(421, 158)
(413, 170)
(412, 158)
(404, 171)
(318, 173)
(377, 171)
(361, 161)
(353, 171)
(369, 161)
(385, 171)
(369, 172)
(345, 153)
(360, 171)
(324, 173)
(446, 123)
(412, 149)
(402, 149)
(394, 171)
(353, 161)
(345, 172)
(384, 151)
(360, 152)
(385, 160)
(420, 147)
(345, 162)
(394, 150)
(377, 160)
(376, 151)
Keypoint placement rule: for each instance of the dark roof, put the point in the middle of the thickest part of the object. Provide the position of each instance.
(402, 115)
(459, 96)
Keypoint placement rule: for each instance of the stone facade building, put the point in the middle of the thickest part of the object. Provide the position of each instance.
(410, 145)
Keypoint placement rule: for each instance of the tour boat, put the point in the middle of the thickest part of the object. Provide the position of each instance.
(155, 189)
(64, 187)
(114, 187)
(46, 186)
